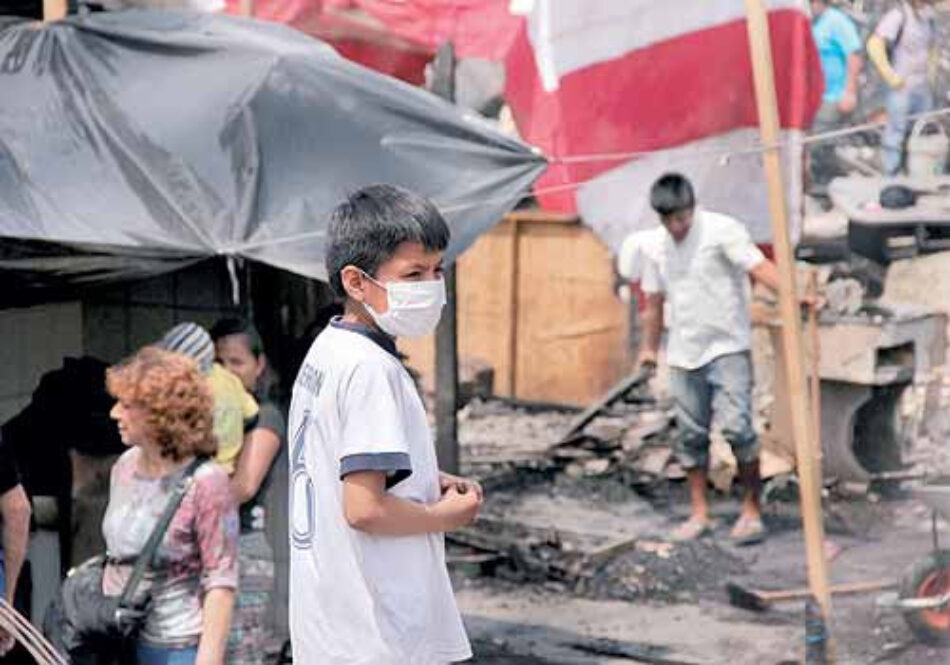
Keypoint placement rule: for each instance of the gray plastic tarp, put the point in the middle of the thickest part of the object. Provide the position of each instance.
(138, 142)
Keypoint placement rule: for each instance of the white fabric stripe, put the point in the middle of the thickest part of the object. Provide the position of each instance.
(617, 202)
(568, 35)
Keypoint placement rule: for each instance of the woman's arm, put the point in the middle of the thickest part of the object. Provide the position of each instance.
(216, 624)
(257, 455)
(216, 529)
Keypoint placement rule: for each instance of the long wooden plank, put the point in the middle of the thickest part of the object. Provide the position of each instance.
(624, 386)
(809, 471)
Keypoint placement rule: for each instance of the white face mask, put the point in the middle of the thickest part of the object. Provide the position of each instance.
(414, 307)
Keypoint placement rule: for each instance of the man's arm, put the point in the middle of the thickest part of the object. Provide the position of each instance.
(877, 52)
(766, 273)
(887, 30)
(849, 99)
(652, 318)
(370, 508)
(15, 508)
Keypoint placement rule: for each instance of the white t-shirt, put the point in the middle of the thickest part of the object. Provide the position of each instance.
(705, 280)
(636, 248)
(354, 597)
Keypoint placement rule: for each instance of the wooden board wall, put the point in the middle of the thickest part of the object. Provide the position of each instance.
(536, 302)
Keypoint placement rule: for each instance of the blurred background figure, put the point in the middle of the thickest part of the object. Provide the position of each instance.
(840, 49)
(238, 348)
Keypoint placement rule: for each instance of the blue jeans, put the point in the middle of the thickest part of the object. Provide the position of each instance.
(901, 104)
(720, 388)
(146, 654)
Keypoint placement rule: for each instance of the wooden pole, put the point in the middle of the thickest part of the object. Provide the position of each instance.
(53, 10)
(814, 340)
(514, 306)
(808, 459)
(446, 336)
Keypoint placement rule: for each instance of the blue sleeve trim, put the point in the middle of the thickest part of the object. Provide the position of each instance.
(397, 466)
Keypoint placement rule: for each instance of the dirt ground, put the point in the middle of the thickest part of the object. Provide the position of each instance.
(667, 602)
(546, 623)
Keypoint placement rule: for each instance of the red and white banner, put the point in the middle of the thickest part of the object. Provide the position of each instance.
(670, 79)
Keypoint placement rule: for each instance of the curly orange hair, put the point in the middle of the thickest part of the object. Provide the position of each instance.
(174, 394)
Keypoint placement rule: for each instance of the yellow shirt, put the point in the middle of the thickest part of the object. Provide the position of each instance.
(233, 408)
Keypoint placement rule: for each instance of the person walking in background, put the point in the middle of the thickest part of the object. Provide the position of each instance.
(239, 349)
(840, 49)
(164, 414)
(702, 269)
(903, 49)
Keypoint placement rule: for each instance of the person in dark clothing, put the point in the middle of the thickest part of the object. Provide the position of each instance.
(238, 347)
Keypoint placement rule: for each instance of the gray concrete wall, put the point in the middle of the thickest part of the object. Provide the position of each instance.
(34, 341)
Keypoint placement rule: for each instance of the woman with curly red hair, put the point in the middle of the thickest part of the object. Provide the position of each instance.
(164, 414)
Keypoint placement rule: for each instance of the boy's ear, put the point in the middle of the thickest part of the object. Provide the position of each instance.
(354, 282)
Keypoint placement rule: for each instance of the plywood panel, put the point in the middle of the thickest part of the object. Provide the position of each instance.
(572, 342)
(485, 280)
(570, 332)
(485, 289)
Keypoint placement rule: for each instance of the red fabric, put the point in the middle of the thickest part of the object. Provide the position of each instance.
(398, 37)
(476, 28)
(670, 93)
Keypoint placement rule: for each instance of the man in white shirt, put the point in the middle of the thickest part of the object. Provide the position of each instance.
(368, 505)
(702, 268)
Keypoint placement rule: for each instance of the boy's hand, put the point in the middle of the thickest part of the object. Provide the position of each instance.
(7, 642)
(456, 509)
(447, 480)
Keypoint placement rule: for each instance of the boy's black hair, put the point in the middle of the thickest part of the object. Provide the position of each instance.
(672, 193)
(366, 229)
(238, 326)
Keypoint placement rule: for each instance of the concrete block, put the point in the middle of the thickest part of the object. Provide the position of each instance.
(872, 351)
(923, 280)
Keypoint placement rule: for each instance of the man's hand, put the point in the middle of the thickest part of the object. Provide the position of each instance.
(813, 302)
(647, 359)
(456, 509)
(894, 81)
(848, 101)
(447, 480)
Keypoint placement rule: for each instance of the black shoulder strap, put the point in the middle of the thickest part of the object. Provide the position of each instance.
(900, 29)
(144, 559)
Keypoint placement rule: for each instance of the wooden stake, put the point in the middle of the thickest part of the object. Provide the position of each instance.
(514, 305)
(809, 472)
(815, 342)
(446, 335)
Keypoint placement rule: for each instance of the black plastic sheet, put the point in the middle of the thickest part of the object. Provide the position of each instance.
(138, 142)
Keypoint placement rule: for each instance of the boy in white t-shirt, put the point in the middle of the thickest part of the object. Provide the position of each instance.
(368, 504)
